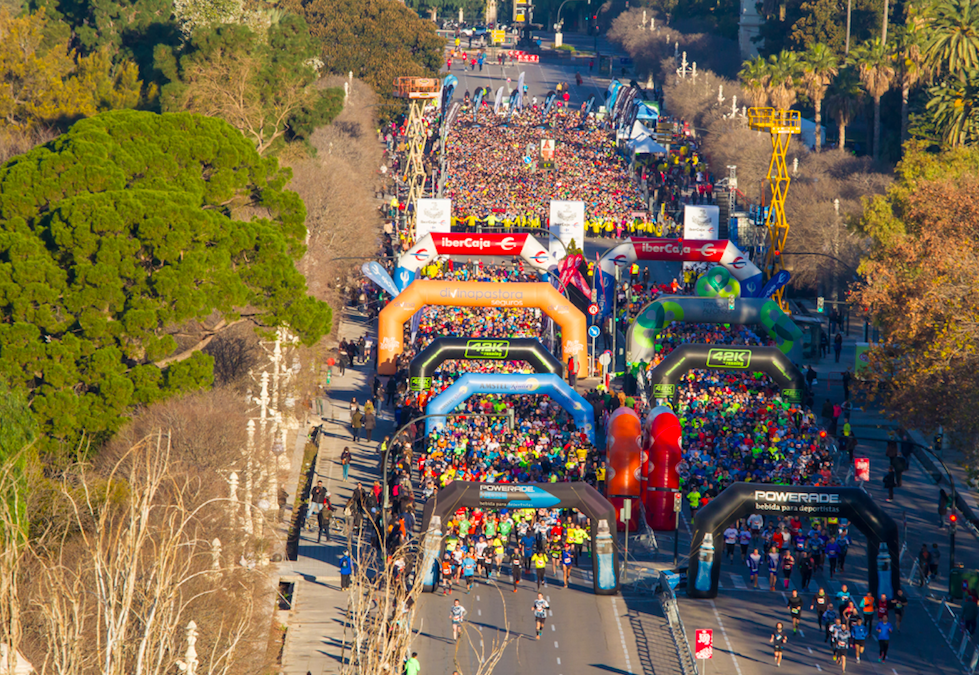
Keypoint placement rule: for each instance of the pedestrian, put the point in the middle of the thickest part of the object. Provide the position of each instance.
(847, 376)
(795, 609)
(323, 519)
(356, 423)
(412, 667)
(345, 458)
(899, 602)
(820, 603)
(838, 346)
(370, 421)
(516, 571)
(730, 540)
(806, 566)
(869, 609)
(539, 561)
(884, 630)
(540, 613)
(779, 639)
(567, 560)
(841, 643)
(823, 344)
(283, 499)
(890, 480)
(754, 563)
(346, 569)
(788, 562)
(859, 634)
(829, 621)
(572, 370)
(933, 562)
(924, 560)
(457, 614)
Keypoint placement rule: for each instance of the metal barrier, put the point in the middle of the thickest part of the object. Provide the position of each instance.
(957, 637)
(679, 634)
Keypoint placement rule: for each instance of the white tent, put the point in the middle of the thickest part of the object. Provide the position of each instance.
(646, 146)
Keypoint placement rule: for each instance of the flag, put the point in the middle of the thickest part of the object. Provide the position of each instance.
(499, 100)
(379, 275)
(520, 81)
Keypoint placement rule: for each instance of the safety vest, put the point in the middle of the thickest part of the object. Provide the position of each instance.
(609, 225)
(634, 269)
(591, 269)
(491, 220)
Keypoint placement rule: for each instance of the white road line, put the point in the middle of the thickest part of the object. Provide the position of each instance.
(477, 598)
(555, 645)
(559, 660)
(625, 648)
(738, 581)
(553, 629)
(810, 649)
(730, 649)
(818, 668)
(894, 671)
(480, 612)
(785, 598)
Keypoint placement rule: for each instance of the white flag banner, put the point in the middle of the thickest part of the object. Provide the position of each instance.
(434, 215)
(567, 222)
(700, 222)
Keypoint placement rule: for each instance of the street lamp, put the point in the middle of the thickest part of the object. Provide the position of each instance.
(560, 24)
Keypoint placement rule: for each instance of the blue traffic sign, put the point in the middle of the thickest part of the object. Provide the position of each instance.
(594, 332)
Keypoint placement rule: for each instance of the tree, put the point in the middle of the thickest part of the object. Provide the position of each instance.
(377, 40)
(262, 84)
(45, 83)
(820, 23)
(799, 24)
(922, 275)
(754, 78)
(783, 73)
(954, 110)
(952, 43)
(114, 235)
(876, 71)
(843, 100)
(909, 61)
(819, 67)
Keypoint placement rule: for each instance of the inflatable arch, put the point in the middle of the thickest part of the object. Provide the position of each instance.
(657, 315)
(390, 323)
(459, 243)
(467, 494)
(719, 251)
(742, 499)
(661, 450)
(768, 360)
(495, 383)
(623, 456)
(444, 349)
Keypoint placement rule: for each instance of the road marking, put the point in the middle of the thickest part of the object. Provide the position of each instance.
(480, 612)
(785, 598)
(555, 645)
(818, 668)
(730, 649)
(559, 660)
(801, 633)
(810, 649)
(553, 629)
(625, 649)
(894, 671)
(477, 598)
(738, 581)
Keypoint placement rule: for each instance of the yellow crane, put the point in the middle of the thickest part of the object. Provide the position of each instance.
(417, 91)
(781, 124)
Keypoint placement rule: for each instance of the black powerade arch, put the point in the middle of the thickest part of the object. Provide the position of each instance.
(769, 360)
(444, 349)
(468, 494)
(742, 499)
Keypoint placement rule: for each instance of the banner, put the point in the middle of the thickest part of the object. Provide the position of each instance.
(586, 109)
(520, 81)
(546, 153)
(861, 468)
(701, 222)
(571, 275)
(380, 276)
(499, 100)
(548, 102)
(434, 215)
(776, 283)
(567, 222)
(477, 102)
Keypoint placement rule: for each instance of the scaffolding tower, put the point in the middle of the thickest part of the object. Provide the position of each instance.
(417, 91)
(781, 124)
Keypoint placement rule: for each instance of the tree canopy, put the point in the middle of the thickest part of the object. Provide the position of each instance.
(114, 235)
(261, 82)
(922, 276)
(378, 40)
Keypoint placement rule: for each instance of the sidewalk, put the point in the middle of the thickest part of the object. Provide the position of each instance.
(314, 639)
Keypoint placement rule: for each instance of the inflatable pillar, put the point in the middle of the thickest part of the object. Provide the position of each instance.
(662, 448)
(623, 449)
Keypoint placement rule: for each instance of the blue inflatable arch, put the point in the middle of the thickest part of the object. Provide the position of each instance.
(470, 384)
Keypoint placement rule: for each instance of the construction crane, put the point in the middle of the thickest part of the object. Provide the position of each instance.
(781, 124)
(417, 91)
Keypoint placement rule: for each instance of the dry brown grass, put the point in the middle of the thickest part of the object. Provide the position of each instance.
(339, 186)
(14, 142)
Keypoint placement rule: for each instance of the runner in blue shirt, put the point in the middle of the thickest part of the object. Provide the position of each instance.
(832, 555)
(859, 635)
(884, 630)
(842, 598)
(754, 562)
(469, 570)
(567, 560)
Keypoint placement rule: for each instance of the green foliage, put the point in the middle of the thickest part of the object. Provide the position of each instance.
(798, 24)
(262, 83)
(952, 43)
(953, 107)
(119, 231)
(45, 83)
(378, 40)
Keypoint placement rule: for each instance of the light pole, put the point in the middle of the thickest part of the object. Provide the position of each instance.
(560, 24)
(385, 504)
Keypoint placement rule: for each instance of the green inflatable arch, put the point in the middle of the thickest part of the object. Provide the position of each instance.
(657, 315)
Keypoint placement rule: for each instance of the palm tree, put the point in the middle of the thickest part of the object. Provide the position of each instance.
(876, 74)
(909, 61)
(819, 67)
(754, 81)
(955, 109)
(952, 46)
(843, 100)
(784, 71)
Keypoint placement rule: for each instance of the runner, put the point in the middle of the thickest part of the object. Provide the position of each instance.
(744, 538)
(516, 570)
(899, 602)
(788, 562)
(795, 609)
(773, 565)
(567, 560)
(859, 634)
(779, 639)
(841, 645)
(754, 563)
(830, 618)
(820, 603)
(730, 540)
(540, 612)
(539, 560)
(458, 614)
(469, 570)
(884, 630)
(447, 574)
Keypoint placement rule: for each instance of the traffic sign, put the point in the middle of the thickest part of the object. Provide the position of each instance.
(677, 502)
(593, 309)
(594, 331)
(605, 358)
(704, 648)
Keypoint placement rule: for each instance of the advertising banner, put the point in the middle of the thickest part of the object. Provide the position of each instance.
(379, 275)
(567, 222)
(546, 153)
(700, 223)
(529, 350)
(434, 215)
(861, 468)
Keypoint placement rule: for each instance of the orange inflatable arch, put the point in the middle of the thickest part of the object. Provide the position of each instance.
(391, 321)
